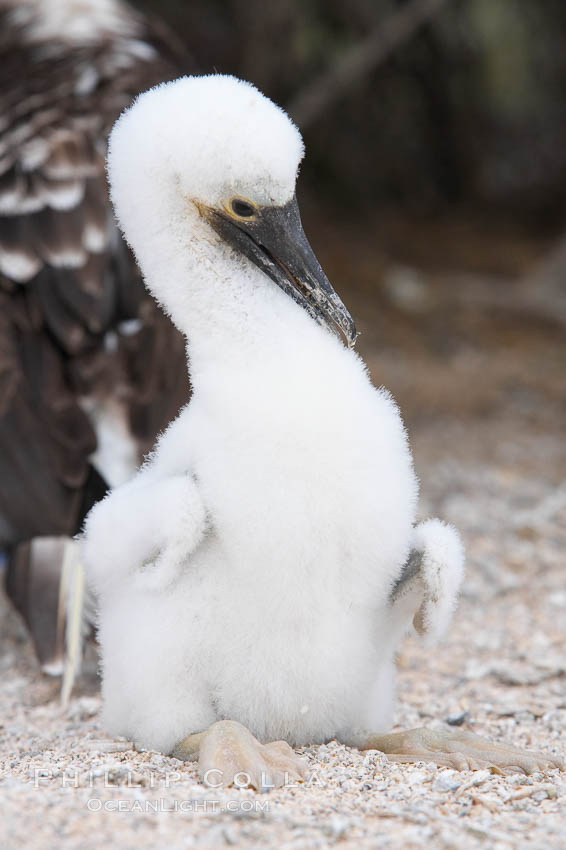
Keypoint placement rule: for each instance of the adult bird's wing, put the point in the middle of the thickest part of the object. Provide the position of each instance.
(85, 353)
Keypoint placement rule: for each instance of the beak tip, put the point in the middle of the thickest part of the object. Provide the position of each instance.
(352, 336)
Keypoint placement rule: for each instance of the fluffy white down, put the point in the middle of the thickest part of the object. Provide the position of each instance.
(442, 572)
(246, 572)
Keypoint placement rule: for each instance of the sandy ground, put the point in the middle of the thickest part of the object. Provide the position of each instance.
(483, 396)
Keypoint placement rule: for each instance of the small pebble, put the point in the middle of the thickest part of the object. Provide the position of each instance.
(447, 781)
(458, 719)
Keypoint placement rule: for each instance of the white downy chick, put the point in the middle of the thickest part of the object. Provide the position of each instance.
(256, 568)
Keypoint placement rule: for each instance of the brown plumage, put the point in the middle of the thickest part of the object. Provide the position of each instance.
(78, 331)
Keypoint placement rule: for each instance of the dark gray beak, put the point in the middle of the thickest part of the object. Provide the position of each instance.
(274, 240)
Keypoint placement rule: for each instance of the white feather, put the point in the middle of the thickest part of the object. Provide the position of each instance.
(18, 265)
(81, 21)
(116, 455)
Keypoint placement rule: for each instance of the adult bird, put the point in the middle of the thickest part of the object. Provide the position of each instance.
(255, 578)
(90, 369)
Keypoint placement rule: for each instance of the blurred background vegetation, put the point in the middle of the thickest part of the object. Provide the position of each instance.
(468, 111)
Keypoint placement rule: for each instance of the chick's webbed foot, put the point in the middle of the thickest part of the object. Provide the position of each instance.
(460, 750)
(228, 754)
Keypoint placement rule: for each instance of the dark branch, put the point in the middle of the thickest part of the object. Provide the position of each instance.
(360, 60)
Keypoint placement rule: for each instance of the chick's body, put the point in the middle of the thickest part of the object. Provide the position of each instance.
(280, 617)
(247, 572)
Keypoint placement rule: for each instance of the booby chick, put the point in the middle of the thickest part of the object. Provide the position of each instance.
(256, 577)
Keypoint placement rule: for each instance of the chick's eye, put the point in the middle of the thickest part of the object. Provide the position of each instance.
(241, 208)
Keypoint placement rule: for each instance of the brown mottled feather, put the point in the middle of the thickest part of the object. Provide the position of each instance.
(69, 290)
(66, 277)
